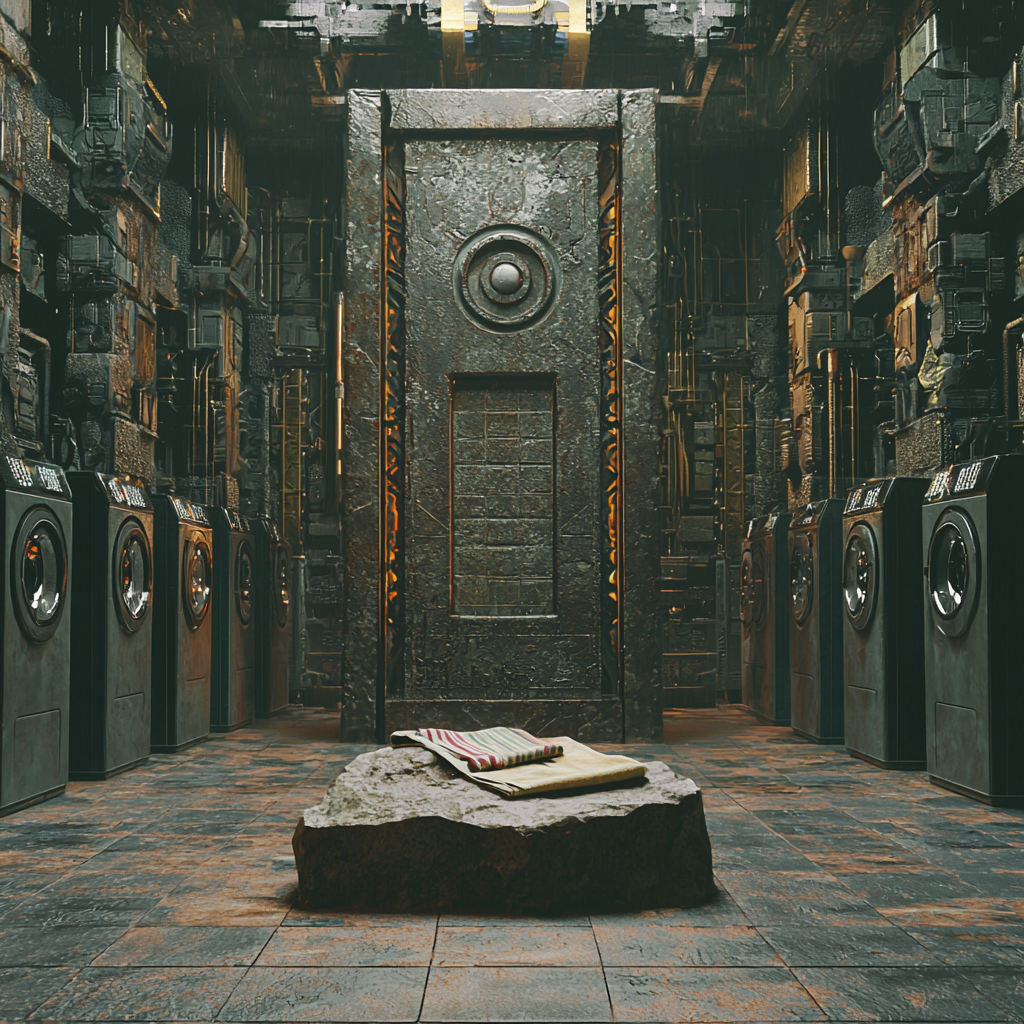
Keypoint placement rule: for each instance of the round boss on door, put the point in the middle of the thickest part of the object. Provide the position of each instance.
(506, 279)
(954, 573)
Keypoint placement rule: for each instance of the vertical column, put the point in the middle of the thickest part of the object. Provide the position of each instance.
(638, 298)
(361, 485)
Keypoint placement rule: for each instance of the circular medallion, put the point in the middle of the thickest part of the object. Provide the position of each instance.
(506, 279)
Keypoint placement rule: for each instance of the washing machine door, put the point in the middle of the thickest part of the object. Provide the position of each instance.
(860, 575)
(197, 569)
(801, 578)
(753, 606)
(280, 585)
(133, 575)
(39, 574)
(243, 581)
(954, 573)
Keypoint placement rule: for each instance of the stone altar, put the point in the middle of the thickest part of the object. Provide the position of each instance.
(399, 831)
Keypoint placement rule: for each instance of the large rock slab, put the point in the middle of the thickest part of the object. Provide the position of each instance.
(400, 831)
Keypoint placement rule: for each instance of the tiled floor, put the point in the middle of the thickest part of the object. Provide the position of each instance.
(846, 893)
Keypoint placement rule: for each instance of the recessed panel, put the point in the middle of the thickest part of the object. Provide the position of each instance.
(503, 471)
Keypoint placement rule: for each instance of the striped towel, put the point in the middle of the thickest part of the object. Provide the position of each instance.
(489, 748)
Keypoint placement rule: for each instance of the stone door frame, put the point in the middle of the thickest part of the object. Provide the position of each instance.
(374, 469)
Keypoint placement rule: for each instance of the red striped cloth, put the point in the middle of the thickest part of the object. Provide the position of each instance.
(492, 748)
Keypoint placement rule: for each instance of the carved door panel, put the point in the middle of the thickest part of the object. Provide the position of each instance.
(497, 337)
(503, 440)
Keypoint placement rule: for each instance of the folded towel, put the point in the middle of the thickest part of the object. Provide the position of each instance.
(483, 750)
(577, 767)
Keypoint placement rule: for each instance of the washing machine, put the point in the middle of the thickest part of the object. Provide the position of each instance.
(764, 613)
(273, 617)
(974, 608)
(182, 623)
(816, 621)
(35, 667)
(111, 625)
(233, 676)
(883, 623)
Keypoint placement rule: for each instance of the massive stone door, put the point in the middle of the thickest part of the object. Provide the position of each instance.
(499, 446)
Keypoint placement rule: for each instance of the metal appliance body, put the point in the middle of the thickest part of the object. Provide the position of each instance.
(35, 666)
(974, 606)
(273, 617)
(764, 612)
(182, 622)
(233, 676)
(111, 625)
(883, 623)
(816, 621)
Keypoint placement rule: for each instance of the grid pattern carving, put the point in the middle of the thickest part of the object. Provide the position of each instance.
(502, 501)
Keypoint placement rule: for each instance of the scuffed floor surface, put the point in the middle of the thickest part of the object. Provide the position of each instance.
(847, 893)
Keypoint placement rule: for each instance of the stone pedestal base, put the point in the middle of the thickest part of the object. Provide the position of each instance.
(398, 831)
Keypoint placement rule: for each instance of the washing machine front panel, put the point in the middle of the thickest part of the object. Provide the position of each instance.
(36, 659)
(271, 619)
(816, 626)
(233, 677)
(973, 609)
(182, 623)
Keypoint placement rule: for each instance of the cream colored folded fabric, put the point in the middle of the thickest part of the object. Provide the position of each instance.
(579, 766)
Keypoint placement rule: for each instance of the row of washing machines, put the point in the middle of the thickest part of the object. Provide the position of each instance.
(889, 621)
(131, 623)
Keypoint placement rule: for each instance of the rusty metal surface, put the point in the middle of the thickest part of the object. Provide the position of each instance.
(505, 109)
(361, 504)
(457, 189)
(641, 686)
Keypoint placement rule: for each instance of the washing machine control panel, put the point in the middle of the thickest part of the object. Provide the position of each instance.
(39, 477)
(236, 521)
(808, 515)
(961, 481)
(189, 512)
(867, 497)
(126, 492)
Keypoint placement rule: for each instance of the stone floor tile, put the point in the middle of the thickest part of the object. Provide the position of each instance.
(719, 913)
(898, 994)
(982, 911)
(23, 989)
(974, 945)
(499, 921)
(35, 946)
(407, 945)
(298, 917)
(59, 909)
(847, 945)
(493, 946)
(327, 994)
(178, 946)
(225, 908)
(708, 994)
(657, 944)
(780, 897)
(516, 993)
(884, 889)
(133, 994)
(1003, 986)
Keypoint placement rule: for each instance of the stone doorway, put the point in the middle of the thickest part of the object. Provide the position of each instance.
(499, 512)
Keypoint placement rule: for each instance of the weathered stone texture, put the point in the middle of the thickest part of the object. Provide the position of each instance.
(400, 831)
